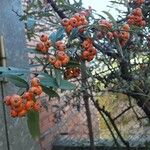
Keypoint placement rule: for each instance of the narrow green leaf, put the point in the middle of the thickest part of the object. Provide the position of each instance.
(33, 124)
(48, 81)
(38, 60)
(51, 93)
(60, 34)
(12, 70)
(58, 75)
(52, 37)
(66, 85)
(74, 34)
(17, 80)
(73, 64)
(110, 17)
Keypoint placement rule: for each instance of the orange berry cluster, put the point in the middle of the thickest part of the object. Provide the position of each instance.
(124, 34)
(20, 105)
(89, 50)
(136, 18)
(61, 57)
(77, 21)
(72, 73)
(105, 25)
(44, 45)
(139, 2)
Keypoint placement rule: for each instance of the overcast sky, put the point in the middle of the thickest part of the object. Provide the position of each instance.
(98, 5)
(101, 5)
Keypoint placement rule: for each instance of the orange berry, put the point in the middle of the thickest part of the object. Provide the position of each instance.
(84, 22)
(44, 50)
(73, 22)
(110, 35)
(28, 96)
(47, 44)
(37, 106)
(52, 59)
(44, 38)
(62, 47)
(65, 61)
(19, 108)
(124, 35)
(35, 81)
(85, 54)
(58, 43)
(13, 113)
(40, 46)
(61, 55)
(105, 23)
(86, 44)
(80, 23)
(137, 12)
(69, 28)
(130, 21)
(7, 100)
(126, 27)
(36, 90)
(92, 50)
(22, 113)
(137, 18)
(57, 64)
(90, 58)
(29, 105)
(16, 100)
(83, 18)
(65, 22)
(77, 16)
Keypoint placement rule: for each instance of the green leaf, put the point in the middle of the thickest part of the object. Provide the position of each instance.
(51, 93)
(45, 14)
(38, 60)
(74, 34)
(58, 75)
(48, 81)
(58, 35)
(12, 70)
(17, 80)
(73, 64)
(66, 85)
(33, 124)
(68, 7)
(52, 37)
(110, 17)
(30, 23)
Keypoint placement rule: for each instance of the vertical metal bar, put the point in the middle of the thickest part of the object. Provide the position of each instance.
(2, 53)
(3, 63)
(5, 119)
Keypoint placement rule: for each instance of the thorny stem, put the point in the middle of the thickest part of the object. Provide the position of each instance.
(107, 124)
(87, 107)
(96, 104)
